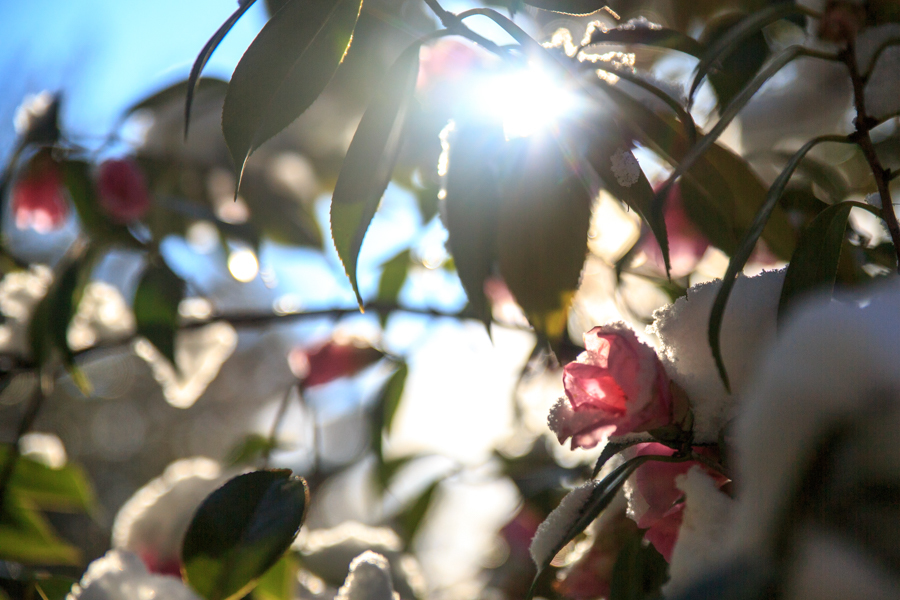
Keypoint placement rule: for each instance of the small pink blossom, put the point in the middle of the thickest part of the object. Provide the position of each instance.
(617, 386)
(123, 190)
(687, 244)
(38, 200)
(656, 502)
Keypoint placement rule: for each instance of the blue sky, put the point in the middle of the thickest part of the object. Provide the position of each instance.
(104, 55)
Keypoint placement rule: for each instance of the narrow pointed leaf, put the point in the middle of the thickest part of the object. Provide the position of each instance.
(284, 70)
(50, 324)
(736, 265)
(156, 301)
(62, 489)
(661, 37)
(26, 536)
(639, 572)
(393, 276)
(601, 496)
(731, 41)
(815, 262)
(367, 168)
(545, 213)
(241, 530)
(471, 208)
(204, 56)
(728, 115)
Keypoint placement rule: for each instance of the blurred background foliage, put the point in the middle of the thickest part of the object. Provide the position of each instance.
(225, 327)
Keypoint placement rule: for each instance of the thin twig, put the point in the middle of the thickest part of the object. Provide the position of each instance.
(864, 124)
(276, 425)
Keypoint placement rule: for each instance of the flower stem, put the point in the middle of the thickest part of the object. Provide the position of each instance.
(864, 124)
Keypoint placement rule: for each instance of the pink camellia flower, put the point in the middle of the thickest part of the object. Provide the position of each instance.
(617, 386)
(687, 244)
(123, 190)
(38, 200)
(331, 361)
(656, 502)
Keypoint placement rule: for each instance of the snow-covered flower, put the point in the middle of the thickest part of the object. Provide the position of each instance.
(748, 328)
(123, 190)
(369, 579)
(120, 575)
(617, 386)
(655, 500)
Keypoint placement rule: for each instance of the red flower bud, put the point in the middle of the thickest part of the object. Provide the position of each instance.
(123, 190)
(37, 197)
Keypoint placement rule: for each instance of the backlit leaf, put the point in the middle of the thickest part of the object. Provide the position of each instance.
(26, 536)
(815, 262)
(661, 37)
(471, 208)
(393, 276)
(284, 70)
(545, 213)
(367, 168)
(156, 307)
(732, 40)
(279, 582)
(207, 51)
(241, 530)
(56, 489)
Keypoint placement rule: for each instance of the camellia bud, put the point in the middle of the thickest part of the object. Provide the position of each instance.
(123, 190)
(37, 197)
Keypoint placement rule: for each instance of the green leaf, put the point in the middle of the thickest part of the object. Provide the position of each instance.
(156, 307)
(412, 517)
(737, 262)
(737, 68)
(279, 582)
(250, 450)
(241, 530)
(284, 70)
(386, 470)
(599, 499)
(728, 115)
(95, 222)
(640, 571)
(367, 168)
(609, 154)
(721, 193)
(26, 536)
(50, 323)
(545, 213)
(815, 262)
(62, 489)
(207, 51)
(659, 38)
(568, 7)
(393, 276)
(52, 587)
(386, 407)
(471, 208)
(733, 39)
